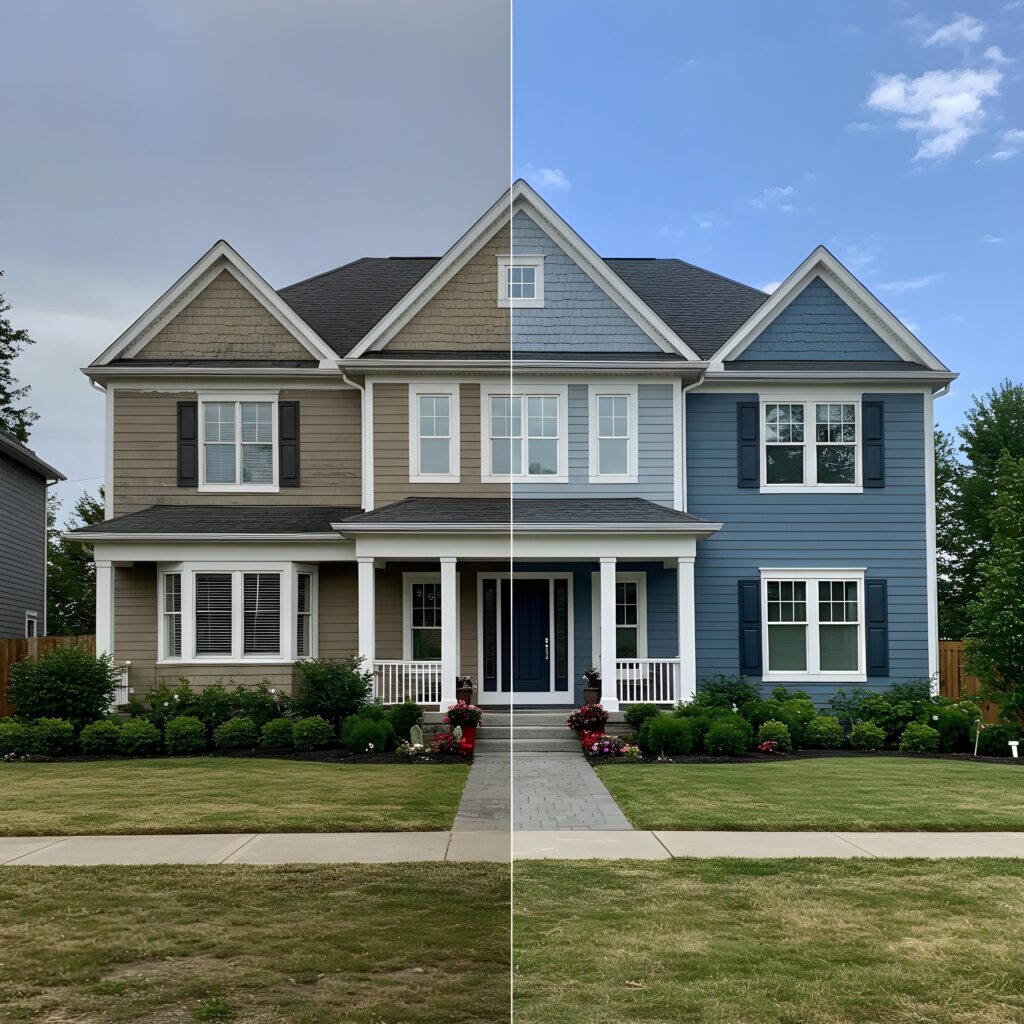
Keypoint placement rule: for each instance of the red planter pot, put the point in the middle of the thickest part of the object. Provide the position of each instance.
(469, 735)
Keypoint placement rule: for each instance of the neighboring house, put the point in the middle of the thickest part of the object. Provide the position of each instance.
(24, 478)
(706, 479)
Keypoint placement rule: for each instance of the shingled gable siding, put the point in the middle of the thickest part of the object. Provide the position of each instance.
(577, 315)
(818, 324)
(145, 453)
(224, 321)
(882, 529)
(22, 546)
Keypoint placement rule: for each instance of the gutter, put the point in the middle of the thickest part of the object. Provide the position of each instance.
(503, 528)
(922, 376)
(88, 538)
(586, 367)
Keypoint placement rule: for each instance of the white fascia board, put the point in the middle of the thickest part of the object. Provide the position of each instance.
(577, 529)
(196, 538)
(398, 368)
(821, 263)
(832, 376)
(233, 549)
(220, 256)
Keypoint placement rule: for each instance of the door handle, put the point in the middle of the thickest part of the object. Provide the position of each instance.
(547, 648)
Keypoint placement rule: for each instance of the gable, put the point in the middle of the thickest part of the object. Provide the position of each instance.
(224, 321)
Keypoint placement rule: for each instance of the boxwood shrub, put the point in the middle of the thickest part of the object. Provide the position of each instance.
(66, 682)
(403, 717)
(777, 732)
(15, 738)
(918, 738)
(867, 736)
(992, 742)
(358, 733)
(312, 733)
(52, 737)
(278, 732)
(636, 714)
(137, 737)
(235, 734)
(824, 733)
(99, 737)
(666, 736)
(729, 736)
(184, 735)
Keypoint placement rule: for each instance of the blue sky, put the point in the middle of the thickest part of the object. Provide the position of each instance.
(739, 136)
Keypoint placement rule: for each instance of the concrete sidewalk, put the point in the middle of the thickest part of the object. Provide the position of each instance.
(393, 847)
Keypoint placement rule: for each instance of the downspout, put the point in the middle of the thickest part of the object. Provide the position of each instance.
(366, 447)
(688, 388)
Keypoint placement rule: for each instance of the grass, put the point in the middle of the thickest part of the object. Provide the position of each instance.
(407, 943)
(847, 794)
(777, 942)
(225, 795)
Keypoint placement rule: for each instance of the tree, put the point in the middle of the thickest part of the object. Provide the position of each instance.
(15, 416)
(71, 574)
(951, 537)
(994, 648)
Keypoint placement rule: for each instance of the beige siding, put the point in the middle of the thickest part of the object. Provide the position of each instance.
(146, 454)
(339, 610)
(224, 321)
(135, 623)
(464, 313)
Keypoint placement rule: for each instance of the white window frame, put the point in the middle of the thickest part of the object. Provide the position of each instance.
(314, 604)
(630, 392)
(640, 579)
(451, 391)
(559, 391)
(34, 618)
(506, 261)
(289, 599)
(812, 577)
(237, 397)
(408, 580)
(810, 444)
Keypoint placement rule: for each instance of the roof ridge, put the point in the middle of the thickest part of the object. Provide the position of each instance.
(324, 273)
(721, 277)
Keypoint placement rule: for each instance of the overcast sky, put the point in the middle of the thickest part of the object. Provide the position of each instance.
(305, 133)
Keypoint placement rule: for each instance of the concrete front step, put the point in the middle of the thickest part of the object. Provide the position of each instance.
(567, 745)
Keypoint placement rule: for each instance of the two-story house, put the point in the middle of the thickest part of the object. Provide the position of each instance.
(513, 462)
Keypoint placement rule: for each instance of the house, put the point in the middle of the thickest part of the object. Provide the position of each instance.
(702, 478)
(24, 479)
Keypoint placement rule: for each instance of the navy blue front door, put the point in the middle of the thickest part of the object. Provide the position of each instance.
(528, 648)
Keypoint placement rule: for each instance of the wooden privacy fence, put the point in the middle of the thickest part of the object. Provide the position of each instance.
(15, 649)
(954, 684)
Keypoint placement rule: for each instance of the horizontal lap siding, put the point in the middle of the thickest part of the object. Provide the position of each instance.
(22, 546)
(339, 610)
(881, 529)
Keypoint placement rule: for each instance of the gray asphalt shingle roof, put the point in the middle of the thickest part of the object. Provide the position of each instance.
(226, 519)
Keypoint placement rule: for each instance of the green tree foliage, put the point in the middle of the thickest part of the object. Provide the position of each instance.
(994, 648)
(15, 415)
(951, 538)
(71, 574)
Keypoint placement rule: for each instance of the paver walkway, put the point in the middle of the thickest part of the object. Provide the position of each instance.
(555, 791)
(486, 804)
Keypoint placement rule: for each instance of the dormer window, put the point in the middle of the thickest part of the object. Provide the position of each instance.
(521, 281)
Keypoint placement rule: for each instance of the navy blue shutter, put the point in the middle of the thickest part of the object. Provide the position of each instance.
(490, 666)
(876, 606)
(188, 444)
(288, 443)
(872, 434)
(748, 452)
(561, 634)
(750, 627)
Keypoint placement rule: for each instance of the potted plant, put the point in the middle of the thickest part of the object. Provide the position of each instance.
(465, 717)
(588, 723)
(591, 686)
(464, 686)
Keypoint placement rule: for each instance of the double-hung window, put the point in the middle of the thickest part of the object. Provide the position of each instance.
(521, 281)
(423, 618)
(627, 619)
(172, 614)
(303, 614)
(434, 433)
(525, 436)
(239, 444)
(811, 445)
(814, 624)
(613, 434)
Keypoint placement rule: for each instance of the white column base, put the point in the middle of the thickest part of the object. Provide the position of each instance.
(609, 680)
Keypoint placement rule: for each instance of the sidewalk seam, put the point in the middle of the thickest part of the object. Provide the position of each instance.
(239, 849)
(14, 860)
(850, 842)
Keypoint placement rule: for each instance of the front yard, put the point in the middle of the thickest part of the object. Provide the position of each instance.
(225, 795)
(883, 794)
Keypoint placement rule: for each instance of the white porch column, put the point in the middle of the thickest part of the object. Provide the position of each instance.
(104, 607)
(449, 632)
(609, 680)
(686, 610)
(367, 614)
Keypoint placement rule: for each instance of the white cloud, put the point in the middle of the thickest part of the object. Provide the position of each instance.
(857, 257)
(1014, 137)
(769, 286)
(1013, 5)
(996, 56)
(775, 197)
(705, 224)
(992, 239)
(861, 126)
(943, 108)
(963, 29)
(1012, 141)
(912, 284)
(547, 177)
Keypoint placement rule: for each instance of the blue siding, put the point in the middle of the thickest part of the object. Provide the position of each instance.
(817, 324)
(577, 314)
(883, 530)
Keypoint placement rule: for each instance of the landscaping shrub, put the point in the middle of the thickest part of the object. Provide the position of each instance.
(313, 733)
(278, 732)
(260, 704)
(163, 704)
(332, 690)
(725, 691)
(781, 694)
(992, 742)
(403, 717)
(728, 737)
(777, 733)
(797, 713)
(702, 719)
(824, 733)
(919, 739)
(374, 712)
(757, 712)
(866, 736)
(15, 737)
(377, 714)
(66, 682)
(138, 737)
(666, 736)
(99, 737)
(52, 737)
(636, 714)
(214, 706)
(235, 734)
(846, 706)
(917, 691)
(892, 717)
(359, 732)
(955, 724)
(184, 735)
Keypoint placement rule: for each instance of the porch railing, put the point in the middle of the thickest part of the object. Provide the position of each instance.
(419, 681)
(122, 694)
(647, 680)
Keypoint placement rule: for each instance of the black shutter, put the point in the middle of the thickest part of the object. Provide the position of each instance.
(748, 453)
(490, 667)
(872, 432)
(750, 627)
(288, 443)
(561, 634)
(876, 604)
(188, 444)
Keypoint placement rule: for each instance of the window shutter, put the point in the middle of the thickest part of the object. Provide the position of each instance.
(750, 627)
(748, 454)
(261, 603)
(188, 444)
(561, 634)
(876, 603)
(288, 443)
(872, 432)
(490, 635)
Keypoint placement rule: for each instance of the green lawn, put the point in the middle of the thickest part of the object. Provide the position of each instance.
(882, 794)
(225, 795)
(304, 945)
(773, 942)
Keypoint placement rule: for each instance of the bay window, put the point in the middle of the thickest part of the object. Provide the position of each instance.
(238, 443)
(810, 445)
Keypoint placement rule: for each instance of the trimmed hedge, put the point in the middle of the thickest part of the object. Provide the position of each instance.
(825, 733)
(100, 737)
(729, 737)
(665, 736)
(235, 734)
(137, 738)
(312, 733)
(778, 733)
(278, 733)
(185, 735)
(867, 736)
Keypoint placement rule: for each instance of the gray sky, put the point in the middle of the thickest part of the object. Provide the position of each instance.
(305, 133)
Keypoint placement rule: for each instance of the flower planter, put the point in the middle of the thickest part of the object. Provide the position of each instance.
(465, 694)
(589, 737)
(469, 737)
(591, 694)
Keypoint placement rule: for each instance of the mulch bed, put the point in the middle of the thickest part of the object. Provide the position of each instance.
(801, 755)
(281, 754)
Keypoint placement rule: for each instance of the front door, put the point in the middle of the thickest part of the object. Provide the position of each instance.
(530, 646)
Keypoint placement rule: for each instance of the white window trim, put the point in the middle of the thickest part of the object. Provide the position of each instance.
(506, 261)
(408, 579)
(812, 577)
(632, 474)
(237, 397)
(810, 444)
(640, 579)
(31, 617)
(561, 391)
(452, 392)
(314, 605)
(289, 602)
